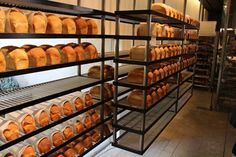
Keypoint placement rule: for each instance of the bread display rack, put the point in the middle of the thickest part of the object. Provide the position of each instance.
(144, 120)
(30, 96)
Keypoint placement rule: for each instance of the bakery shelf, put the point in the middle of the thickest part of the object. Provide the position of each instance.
(130, 141)
(200, 85)
(73, 139)
(184, 88)
(49, 126)
(123, 103)
(24, 97)
(202, 76)
(124, 82)
(132, 121)
(130, 37)
(142, 16)
(188, 75)
(60, 36)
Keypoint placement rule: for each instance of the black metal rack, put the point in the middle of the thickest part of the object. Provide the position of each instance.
(140, 126)
(29, 96)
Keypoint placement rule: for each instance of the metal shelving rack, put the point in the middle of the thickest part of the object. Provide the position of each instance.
(29, 96)
(138, 128)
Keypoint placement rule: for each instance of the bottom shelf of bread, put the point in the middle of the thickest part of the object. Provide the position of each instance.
(131, 141)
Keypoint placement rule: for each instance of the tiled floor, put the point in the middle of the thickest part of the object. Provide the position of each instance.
(194, 132)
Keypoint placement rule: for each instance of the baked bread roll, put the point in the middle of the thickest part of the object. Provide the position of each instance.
(68, 26)
(53, 54)
(37, 22)
(138, 53)
(162, 8)
(69, 152)
(87, 141)
(68, 132)
(44, 145)
(68, 54)
(15, 57)
(3, 65)
(81, 26)
(28, 152)
(95, 135)
(94, 72)
(135, 98)
(16, 21)
(92, 27)
(137, 76)
(9, 130)
(37, 56)
(143, 30)
(2, 21)
(79, 147)
(108, 91)
(54, 25)
(57, 138)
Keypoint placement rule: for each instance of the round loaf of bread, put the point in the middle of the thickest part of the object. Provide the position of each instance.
(68, 26)
(135, 98)
(44, 145)
(54, 25)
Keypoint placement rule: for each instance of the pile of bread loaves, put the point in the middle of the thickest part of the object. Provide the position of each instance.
(161, 51)
(17, 58)
(159, 30)
(191, 34)
(169, 11)
(155, 74)
(14, 20)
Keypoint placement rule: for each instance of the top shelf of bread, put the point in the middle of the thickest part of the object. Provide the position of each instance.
(142, 16)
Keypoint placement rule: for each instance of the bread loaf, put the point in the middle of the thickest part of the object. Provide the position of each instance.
(28, 152)
(52, 53)
(156, 75)
(37, 56)
(68, 26)
(80, 52)
(68, 54)
(87, 141)
(54, 25)
(162, 8)
(137, 76)
(94, 72)
(3, 64)
(15, 57)
(108, 91)
(95, 135)
(44, 145)
(95, 117)
(90, 50)
(138, 53)
(108, 108)
(9, 130)
(68, 132)
(143, 30)
(69, 152)
(135, 98)
(81, 26)
(79, 127)
(92, 27)
(2, 21)
(57, 138)
(158, 53)
(88, 122)
(79, 147)
(37, 22)
(16, 21)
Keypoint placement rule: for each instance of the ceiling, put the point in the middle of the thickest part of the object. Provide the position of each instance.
(213, 5)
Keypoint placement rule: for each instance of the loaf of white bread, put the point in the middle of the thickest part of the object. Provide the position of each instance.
(37, 22)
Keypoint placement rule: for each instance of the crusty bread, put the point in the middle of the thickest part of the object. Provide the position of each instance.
(68, 26)
(138, 53)
(28, 152)
(54, 25)
(3, 64)
(94, 72)
(90, 50)
(108, 91)
(67, 108)
(28, 124)
(87, 142)
(137, 76)
(16, 58)
(16, 21)
(136, 98)
(53, 54)
(92, 26)
(37, 22)
(161, 7)
(37, 56)
(55, 112)
(68, 133)
(81, 26)
(79, 127)
(68, 54)
(57, 139)
(69, 152)
(44, 145)
(11, 132)
(2, 21)
(79, 147)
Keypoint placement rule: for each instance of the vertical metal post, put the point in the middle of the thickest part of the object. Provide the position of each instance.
(116, 72)
(164, 1)
(222, 60)
(180, 58)
(133, 25)
(102, 67)
(79, 41)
